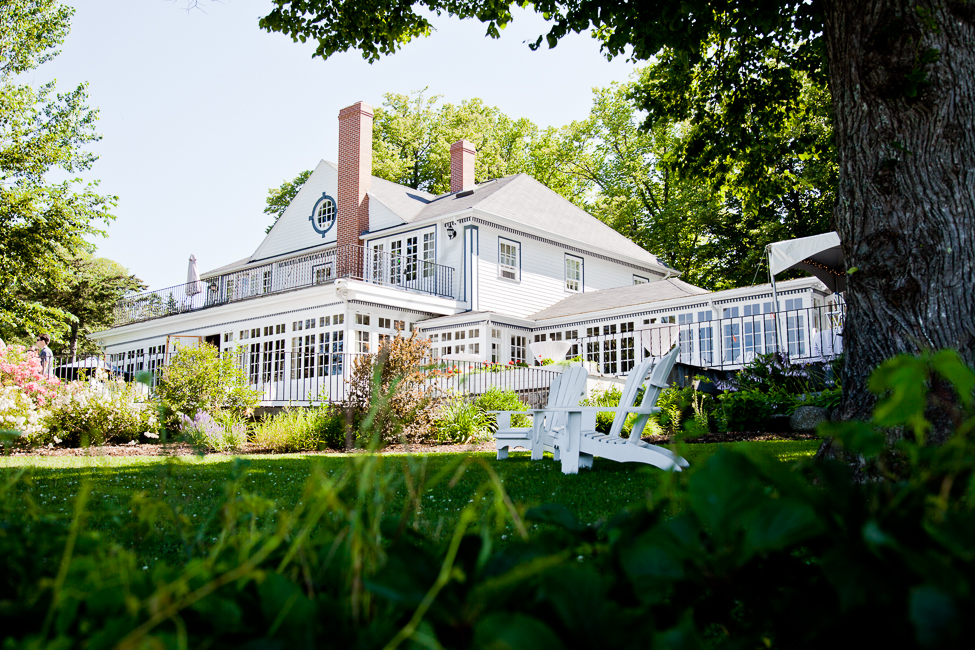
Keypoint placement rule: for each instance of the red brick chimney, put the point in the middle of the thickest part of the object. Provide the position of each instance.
(355, 172)
(462, 155)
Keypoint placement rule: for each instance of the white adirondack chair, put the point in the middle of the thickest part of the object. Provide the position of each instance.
(566, 390)
(579, 441)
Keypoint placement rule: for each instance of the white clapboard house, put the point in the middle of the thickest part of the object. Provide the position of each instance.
(487, 272)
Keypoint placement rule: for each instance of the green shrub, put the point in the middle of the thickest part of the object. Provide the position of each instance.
(496, 399)
(685, 410)
(460, 421)
(201, 379)
(97, 413)
(752, 409)
(302, 429)
(609, 397)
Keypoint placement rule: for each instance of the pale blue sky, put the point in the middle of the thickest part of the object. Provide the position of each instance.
(202, 112)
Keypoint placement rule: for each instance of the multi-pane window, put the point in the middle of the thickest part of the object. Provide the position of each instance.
(556, 336)
(592, 331)
(592, 351)
(325, 215)
(385, 323)
(267, 361)
(770, 335)
(377, 264)
(266, 282)
(244, 334)
(297, 326)
(475, 348)
(686, 335)
(338, 319)
(362, 319)
(474, 334)
(495, 353)
(627, 354)
(732, 334)
(410, 262)
(609, 357)
(228, 337)
(396, 261)
(539, 338)
(254, 362)
(573, 273)
(508, 264)
(609, 330)
(795, 326)
(399, 326)
(338, 347)
(705, 337)
(324, 273)
(518, 345)
(429, 255)
(639, 279)
(362, 342)
(495, 333)
(324, 353)
(752, 330)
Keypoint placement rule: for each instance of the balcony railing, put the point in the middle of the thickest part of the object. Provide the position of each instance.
(350, 261)
(301, 377)
(809, 335)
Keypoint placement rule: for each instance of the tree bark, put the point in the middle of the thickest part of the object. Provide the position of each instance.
(902, 76)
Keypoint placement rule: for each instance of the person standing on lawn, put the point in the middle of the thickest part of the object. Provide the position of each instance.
(44, 352)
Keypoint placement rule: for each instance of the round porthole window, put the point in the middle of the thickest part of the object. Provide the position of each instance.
(323, 216)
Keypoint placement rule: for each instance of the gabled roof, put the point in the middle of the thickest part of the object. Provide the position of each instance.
(522, 199)
(628, 296)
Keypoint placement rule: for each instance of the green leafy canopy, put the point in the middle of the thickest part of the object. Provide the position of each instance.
(42, 224)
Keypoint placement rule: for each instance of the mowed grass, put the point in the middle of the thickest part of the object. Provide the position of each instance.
(190, 487)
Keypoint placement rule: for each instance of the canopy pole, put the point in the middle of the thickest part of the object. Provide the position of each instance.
(775, 297)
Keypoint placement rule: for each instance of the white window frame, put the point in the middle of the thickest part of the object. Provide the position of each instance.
(574, 273)
(507, 270)
(639, 279)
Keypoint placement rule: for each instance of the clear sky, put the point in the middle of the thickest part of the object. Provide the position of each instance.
(202, 112)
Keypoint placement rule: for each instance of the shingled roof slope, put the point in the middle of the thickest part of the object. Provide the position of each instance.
(524, 200)
(637, 294)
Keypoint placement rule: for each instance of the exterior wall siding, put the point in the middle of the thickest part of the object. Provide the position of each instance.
(542, 282)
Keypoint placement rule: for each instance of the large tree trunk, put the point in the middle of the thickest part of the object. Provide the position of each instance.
(902, 76)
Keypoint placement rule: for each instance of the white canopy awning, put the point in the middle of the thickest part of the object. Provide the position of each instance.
(820, 255)
(554, 350)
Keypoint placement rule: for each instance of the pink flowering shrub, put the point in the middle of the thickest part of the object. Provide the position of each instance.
(22, 368)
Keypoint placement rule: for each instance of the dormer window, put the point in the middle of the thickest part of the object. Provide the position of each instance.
(323, 215)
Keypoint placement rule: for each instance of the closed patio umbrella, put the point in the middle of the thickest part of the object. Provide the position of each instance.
(193, 284)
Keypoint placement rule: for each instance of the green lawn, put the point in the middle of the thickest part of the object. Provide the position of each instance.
(187, 487)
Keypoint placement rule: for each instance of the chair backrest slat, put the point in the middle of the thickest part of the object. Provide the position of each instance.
(570, 388)
(654, 384)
